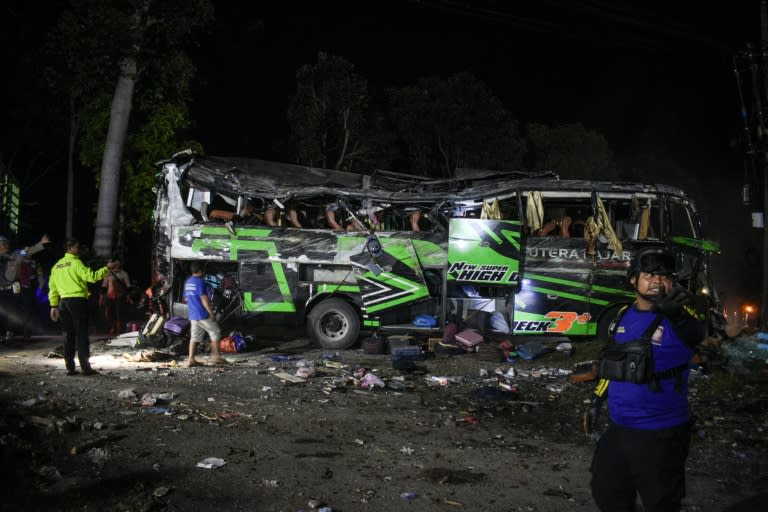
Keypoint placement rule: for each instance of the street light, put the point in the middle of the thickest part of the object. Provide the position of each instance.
(748, 308)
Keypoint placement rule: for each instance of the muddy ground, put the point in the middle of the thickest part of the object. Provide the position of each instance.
(443, 436)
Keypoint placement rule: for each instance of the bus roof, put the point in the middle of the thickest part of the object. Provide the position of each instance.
(244, 176)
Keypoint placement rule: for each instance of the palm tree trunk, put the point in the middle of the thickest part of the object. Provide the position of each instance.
(109, 185)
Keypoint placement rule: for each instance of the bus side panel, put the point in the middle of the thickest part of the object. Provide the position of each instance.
(569, 288)
(268, 257)
(555, 295)
(392, 279)
(484, 252)
(610, 285)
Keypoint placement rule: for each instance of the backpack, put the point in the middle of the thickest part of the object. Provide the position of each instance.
(151, 340)
(232, 344)
(152, 334)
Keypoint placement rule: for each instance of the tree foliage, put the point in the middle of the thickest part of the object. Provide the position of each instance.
(328, 114)
(571, 151)
(457, 122)
(150, 144)
(95, 41)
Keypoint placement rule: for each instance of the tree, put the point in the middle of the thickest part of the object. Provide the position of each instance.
(328, 114)
(83, 48)
(457, 122)
(140, 43)
(571, 151)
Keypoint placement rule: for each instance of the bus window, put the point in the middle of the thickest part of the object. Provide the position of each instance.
(509, 209)
(680, 220)
(626, 215)
(564, 217)
(635, 219)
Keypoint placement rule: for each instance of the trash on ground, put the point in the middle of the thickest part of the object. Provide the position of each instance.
(290, 378)
(211, 463)
(371, 380)
(531, 350)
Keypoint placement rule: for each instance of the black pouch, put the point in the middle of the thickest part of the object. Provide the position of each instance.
(630, 362)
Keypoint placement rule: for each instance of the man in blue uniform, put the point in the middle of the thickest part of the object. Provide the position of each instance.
(644, 449)
(201, 316)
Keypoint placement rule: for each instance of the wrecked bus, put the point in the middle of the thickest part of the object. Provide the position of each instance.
(343, 253)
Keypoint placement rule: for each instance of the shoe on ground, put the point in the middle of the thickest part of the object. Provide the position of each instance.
(72, 372)
(90, 371)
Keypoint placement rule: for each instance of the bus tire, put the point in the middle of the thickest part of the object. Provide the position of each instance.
(333, 324)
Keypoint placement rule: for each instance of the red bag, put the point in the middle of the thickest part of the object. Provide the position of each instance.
(450, 332)
(111, 288)
(227, 345)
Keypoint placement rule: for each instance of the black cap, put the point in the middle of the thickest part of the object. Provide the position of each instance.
(653, 261)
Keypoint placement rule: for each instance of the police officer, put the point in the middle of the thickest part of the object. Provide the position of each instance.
(68, 294)
(645, 446)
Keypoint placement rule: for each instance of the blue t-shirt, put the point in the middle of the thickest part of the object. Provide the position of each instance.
(194, 288)
(636, 405)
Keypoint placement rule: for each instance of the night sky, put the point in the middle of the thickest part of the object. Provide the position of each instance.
(655, 78)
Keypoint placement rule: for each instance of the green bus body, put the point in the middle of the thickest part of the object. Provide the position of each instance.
(487, 273)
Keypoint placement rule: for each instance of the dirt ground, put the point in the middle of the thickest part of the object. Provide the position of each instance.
(457, 432)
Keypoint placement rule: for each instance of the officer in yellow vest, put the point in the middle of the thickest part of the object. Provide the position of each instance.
(68, 295)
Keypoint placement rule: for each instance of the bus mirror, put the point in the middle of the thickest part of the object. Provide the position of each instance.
(374, 247)
(702, 245)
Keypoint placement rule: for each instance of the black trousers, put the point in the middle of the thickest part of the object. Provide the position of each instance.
(650, 463)
(74, 316)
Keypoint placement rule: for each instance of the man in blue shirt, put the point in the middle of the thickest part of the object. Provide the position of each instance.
(644, 449)
(201, 316)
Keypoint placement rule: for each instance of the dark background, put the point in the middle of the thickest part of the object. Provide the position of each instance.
(655, 78)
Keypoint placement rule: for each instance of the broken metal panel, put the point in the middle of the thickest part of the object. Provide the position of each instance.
(177, 214)
(232, 177)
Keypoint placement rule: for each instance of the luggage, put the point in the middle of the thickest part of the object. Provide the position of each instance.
(177, 345)
(449, 333)
(232, 344)
(153, 325)
(400, 349)
(468, 339)
(151, 340)
(374, 345)
(531, 350)
(177, 325)
(449, 348)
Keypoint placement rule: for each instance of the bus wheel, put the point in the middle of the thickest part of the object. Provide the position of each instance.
(333, 324)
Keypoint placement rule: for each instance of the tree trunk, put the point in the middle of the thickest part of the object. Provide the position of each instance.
(343, 154)
(109, 186)
(71, 165)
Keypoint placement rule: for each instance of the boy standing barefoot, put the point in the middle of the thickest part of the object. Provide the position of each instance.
(201, 316)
